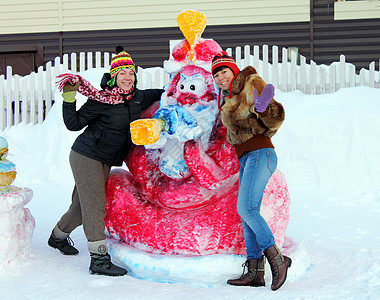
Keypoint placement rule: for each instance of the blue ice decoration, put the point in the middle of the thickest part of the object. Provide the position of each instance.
(7, 166)
(176, 117)
(3, 143)
(180, 127)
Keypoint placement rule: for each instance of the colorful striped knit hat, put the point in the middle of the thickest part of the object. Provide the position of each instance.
(119, 62)
(222, 59)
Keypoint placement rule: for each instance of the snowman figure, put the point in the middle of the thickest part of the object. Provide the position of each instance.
(189, 111)
(179, 194)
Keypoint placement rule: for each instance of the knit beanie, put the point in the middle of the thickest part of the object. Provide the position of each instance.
(222, 59)
(119, 62)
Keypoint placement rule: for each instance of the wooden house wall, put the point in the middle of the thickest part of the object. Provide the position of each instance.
(312, 26)
(30, 16)
(357, 38)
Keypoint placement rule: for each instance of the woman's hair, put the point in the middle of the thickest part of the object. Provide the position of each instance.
(219, 69)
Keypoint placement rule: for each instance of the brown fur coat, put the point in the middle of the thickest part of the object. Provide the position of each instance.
(239, 115)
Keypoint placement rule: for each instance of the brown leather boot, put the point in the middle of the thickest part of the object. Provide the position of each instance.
(254, 276)
(279, 266)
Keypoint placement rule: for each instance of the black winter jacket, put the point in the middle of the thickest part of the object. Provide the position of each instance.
(107, 137)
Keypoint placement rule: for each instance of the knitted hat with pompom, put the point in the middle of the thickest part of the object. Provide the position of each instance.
(119, 62)
(222, 59)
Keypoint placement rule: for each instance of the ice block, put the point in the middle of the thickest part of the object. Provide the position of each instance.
(192, 23)
(146, 131)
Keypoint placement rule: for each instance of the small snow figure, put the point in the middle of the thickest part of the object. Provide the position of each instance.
(16, 221)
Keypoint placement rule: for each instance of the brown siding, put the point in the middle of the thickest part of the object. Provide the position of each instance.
(151, 47)
(282, 35)
(48, 41)
(358, 40)
(148, 47)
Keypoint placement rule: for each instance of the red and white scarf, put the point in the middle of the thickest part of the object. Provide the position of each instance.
(110, 96)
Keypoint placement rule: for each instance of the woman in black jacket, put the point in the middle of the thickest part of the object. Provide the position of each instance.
(104, 143)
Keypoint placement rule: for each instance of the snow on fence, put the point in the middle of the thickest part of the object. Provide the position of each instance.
(29, 98)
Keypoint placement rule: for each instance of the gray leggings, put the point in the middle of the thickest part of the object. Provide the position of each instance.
(88, 206)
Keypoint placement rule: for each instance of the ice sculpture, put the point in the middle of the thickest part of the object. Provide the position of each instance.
(7, 168)
(179, 195)
(16, 222)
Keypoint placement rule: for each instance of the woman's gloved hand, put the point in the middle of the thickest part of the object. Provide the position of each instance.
(68, 87)
(69, 91)
(261, 101)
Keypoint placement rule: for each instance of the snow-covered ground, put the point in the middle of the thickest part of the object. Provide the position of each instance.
(328, 149)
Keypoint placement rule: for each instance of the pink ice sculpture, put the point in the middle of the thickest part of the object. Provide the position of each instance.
(16, 221)
(179, 194)
(16, 226)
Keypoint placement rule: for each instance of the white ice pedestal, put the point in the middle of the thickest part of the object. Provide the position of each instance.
(16, 226)
(205, 271)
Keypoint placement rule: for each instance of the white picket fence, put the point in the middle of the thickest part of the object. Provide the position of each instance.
(29, 98)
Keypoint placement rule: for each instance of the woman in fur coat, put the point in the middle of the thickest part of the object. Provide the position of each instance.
(252, 117)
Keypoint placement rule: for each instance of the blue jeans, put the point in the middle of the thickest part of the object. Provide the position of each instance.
(256, 167)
